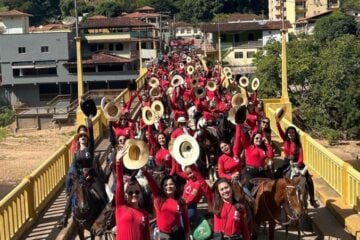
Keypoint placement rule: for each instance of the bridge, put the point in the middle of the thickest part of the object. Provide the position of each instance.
(31, 209)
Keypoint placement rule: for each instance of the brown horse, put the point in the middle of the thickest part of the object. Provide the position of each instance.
(86, 206)
(271, 197)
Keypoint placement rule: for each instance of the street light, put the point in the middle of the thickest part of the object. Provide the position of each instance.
(284, 85)
(78, 57)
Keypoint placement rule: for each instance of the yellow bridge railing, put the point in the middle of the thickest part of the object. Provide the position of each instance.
(22, 206)
(340, 175)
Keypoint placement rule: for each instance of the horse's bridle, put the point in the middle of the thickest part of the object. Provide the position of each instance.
(271, 215)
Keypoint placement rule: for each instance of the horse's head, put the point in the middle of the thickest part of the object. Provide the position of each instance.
(105, 221)
(82, 194)
(292, 197)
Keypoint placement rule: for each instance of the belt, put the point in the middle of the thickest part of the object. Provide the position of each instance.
(233, 237)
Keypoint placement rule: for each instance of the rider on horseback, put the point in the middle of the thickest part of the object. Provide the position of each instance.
(85, 165)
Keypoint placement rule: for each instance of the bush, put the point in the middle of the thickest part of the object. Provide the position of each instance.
(7, 116)
(332, 136)
(2, 134)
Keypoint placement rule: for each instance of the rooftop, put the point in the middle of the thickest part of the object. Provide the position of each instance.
(113, 22)
(13, 13)
(245, 25)
(103, 57)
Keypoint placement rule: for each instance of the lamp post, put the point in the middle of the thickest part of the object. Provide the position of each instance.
(78, 57)
(284, 85)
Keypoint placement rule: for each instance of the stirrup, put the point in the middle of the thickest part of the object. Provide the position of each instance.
(314, 204)
(62, 223)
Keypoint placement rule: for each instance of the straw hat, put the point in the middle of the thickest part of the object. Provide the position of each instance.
(88, 107)
(280, 113)
(137, 154)
(158, 107)
(244, 82)
(237, 114)
(82, 132)
(181, 119)
(148, 115)
(185, 150)
(255, 84)
(154, 82)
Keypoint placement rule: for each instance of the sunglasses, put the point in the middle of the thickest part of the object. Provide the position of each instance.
(136, 192)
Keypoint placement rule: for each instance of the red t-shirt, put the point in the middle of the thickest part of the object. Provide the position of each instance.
(132, 223)
(231, 222)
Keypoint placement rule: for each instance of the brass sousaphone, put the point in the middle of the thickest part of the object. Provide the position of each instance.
(158, 108)
(244, 82)
(111, 109)
(154, 82)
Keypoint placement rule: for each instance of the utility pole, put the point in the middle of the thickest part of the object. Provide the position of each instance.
(160, 27)
(219, 41)
(80, 84)
(284, 85)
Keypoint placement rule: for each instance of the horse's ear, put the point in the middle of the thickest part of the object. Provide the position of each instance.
(296, 180)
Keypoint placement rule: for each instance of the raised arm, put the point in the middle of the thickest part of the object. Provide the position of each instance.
(153, 185)
(91, 145)
(119, 190)
(281, 131)
(112, 135)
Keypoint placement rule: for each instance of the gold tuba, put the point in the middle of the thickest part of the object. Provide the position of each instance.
(255, 84)
(244, 82)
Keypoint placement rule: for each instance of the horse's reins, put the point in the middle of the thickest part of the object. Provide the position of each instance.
(271, 215)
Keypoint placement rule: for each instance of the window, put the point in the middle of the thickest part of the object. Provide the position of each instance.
(93, 48)
(182, 31)
(119, 47)
(188, 30)
(251, 37)
(250, 54)
(237, 37)
(100, 46)
(22, 50)
(44, 49)
(239, 55)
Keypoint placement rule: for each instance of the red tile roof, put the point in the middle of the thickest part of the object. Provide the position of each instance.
(241, 17)
(113, 22)
(314, 17)
(49, 27)
(13, 13)
(244, 26)
(141, 15)
(103, 57)
(145, 8)
(97, 17)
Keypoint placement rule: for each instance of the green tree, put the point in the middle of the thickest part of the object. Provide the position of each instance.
(333, 26)
(268, 70)
(67, 8)
(114, 8)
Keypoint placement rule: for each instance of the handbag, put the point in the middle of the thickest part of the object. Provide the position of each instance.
(202, 231)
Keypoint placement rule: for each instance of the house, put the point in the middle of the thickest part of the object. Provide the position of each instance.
(14, 22)
(299, 9)
(40, 63)
(239, 41)
(306, 25)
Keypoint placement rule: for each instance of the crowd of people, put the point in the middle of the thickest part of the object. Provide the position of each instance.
(154, 178)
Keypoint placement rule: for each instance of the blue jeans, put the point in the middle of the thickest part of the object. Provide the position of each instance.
(192, 212)
(68, 180)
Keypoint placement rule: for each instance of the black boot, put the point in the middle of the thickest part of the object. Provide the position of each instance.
(310, 187)
(64, 220)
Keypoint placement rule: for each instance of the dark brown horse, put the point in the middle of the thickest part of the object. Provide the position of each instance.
(86, 206)
(271, 197)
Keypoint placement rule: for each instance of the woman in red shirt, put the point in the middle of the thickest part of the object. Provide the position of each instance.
(293, 153)
(229, 164)
(132, 222)
(229, 216)
(171, 211)
(256, 153)
(163, 160)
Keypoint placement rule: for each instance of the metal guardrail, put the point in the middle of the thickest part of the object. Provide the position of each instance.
(20, 209)
(340, 175)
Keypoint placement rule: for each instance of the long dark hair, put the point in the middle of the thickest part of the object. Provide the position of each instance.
(158, 147)
(296, 138)
(162, 194)
(218, 201)
(262, 145)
